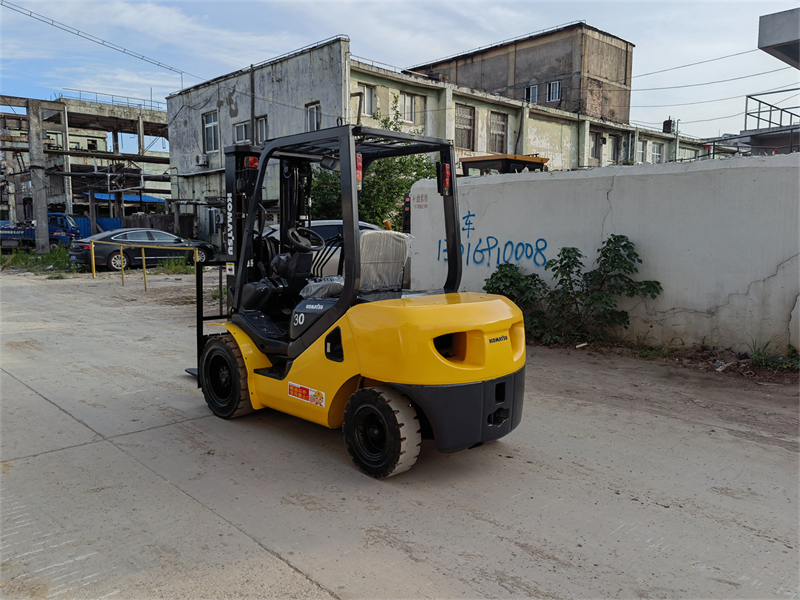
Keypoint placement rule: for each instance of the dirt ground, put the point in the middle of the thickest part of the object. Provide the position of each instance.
(628, 478)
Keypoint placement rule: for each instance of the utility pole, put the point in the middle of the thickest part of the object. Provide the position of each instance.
(38, 181)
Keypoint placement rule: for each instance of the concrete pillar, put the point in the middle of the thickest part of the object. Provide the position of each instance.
(92, 212)
(584, 144)
(449, 113)
(521, 147)
(38, 180)
(67, 169)
(140, 133)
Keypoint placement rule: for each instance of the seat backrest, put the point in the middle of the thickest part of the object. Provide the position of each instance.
(383, 257)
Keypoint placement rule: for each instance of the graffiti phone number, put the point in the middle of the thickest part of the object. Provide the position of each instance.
(490, 251)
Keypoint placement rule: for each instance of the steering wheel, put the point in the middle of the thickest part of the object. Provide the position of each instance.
(303, 238)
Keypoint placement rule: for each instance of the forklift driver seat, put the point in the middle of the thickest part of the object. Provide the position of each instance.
(294, 268)
(383, 257)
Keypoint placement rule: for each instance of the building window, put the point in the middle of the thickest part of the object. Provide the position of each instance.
(657, 153)
(368, 107)
(687, 154)
(211, 132)
(532, 94)
(498, 126)
(241, 132)
(262, 131)
(406, 104)
(465, 127)
(594, 145)
(554, 91)
(313, 116)
(641, 151)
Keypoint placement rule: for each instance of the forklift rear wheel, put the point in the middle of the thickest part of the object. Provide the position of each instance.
(223, 377)
(115, 263)
(381, 431)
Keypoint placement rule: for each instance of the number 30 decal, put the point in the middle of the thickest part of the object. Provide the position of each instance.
(299, 318)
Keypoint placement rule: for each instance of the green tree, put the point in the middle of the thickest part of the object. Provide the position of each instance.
(385, 183)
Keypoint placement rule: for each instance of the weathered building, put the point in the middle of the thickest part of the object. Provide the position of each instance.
(575, 67)
(69, 139)
(325, 85)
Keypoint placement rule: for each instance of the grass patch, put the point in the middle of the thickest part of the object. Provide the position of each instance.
(215, 294)
(58, 275)
(173, 266)
(55, 260)
(765, 356)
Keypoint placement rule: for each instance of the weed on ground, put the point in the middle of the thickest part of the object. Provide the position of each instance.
(55, 261)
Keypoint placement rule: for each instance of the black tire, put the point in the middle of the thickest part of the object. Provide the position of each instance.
(115, 264)
(202, 256)
(223, 377)
(55, 244)
(381, 431)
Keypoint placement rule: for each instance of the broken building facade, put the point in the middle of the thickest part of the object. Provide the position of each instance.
(76, 146)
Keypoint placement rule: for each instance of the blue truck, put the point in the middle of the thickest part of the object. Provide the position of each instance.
(62, 230)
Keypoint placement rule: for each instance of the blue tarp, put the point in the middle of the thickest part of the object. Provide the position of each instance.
(126, 197)
(107, 224)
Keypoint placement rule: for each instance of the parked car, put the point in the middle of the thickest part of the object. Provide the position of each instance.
(158, 245)
(330, 230)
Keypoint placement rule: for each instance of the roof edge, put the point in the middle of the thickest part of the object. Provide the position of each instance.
(337, 38)
(522, 38)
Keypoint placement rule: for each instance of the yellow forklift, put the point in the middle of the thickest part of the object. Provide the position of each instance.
(390, 366)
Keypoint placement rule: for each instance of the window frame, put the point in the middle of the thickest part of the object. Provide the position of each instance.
(594, 145)
(471, 129)
(262, 137)
(214, 127)
(314, 108)
(554, 91)
(492, 134)
(368, 105)
(641, 151)
(532, 98)
(245, 125)
(402, 99)
(657, 152)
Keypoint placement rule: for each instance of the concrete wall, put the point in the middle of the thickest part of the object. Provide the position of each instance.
(720, 236)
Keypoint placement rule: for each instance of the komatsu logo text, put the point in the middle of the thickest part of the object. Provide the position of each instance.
(230, 224)
(502, 338)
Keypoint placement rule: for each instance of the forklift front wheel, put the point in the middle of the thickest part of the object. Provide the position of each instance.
(381, 431)
(223, 377)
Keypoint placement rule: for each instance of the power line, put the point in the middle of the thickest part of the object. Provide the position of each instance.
(698, 102)
(675, 87)
(702, 62)
(93, 38)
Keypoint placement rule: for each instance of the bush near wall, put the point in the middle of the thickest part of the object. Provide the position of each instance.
(581, 305)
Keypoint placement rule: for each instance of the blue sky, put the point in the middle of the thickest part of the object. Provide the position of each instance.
(209, 39)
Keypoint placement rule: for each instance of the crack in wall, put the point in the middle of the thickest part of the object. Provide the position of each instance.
(610, 207)
(713, 311)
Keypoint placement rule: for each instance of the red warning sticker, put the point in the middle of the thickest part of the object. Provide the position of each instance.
(306, 394)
